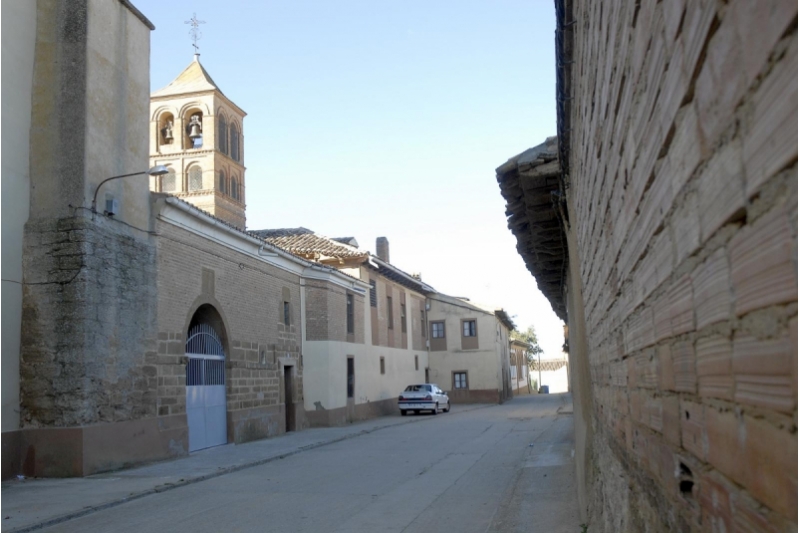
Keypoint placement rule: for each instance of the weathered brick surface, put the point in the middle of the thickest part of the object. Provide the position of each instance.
(683, 177)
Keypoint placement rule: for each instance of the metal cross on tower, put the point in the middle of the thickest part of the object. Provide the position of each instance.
(194, 32)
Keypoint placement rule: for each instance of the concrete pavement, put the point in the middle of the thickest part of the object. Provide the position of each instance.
(30, 504)
(482, 469)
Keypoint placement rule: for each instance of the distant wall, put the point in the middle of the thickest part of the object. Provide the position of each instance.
(683, 195)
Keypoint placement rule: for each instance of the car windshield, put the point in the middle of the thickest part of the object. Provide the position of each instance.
(418, 388)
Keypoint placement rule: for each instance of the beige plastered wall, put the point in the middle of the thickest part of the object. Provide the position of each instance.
(484, 365)
(18, 42)
(325, 361)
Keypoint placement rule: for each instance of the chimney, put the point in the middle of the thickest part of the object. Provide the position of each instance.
(382, 249)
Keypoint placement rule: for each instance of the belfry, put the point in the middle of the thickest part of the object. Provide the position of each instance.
(197, 133)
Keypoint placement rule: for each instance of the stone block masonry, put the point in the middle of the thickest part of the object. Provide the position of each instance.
(683, 202)
(89, 323)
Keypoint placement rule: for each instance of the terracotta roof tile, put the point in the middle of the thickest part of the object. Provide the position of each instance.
(303, 241)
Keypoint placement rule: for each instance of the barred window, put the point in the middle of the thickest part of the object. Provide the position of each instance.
(195, 178)
(235, 143)
(223, 135)
(168, 181)
(373, 294)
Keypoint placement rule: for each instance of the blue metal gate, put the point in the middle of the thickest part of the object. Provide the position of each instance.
(205, 388)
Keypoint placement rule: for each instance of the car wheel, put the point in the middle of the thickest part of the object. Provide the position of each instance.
(436, 409)
(403, 412)
(447, 409)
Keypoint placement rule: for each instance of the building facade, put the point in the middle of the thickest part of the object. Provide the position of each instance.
(518, 361)
(469, 350)
(363, 345)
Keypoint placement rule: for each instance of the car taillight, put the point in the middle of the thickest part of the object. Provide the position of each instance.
(428, 397)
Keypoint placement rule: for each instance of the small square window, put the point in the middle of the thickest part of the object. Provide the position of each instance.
(460, 380)
(437, 330)
(470, 328)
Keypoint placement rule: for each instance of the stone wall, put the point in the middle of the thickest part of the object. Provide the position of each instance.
(682, 197)
(88, 323)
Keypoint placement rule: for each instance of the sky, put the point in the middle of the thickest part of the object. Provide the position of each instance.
(388, 118)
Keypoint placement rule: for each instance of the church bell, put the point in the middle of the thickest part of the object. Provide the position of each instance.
(167, 134)
(194, 131)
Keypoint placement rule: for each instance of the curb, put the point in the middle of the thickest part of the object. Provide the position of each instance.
(221, 472)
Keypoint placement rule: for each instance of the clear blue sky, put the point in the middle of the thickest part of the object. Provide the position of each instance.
(385, 118)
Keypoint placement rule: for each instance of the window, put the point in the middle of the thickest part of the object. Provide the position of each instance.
(470, 328)
(390, 312)
(437, 330)
(403, 318)
(234, 188)
(195, 178)
(350, 321)
(373, 294)
(460, 380)
(351, 377)
(422, 323)
(235, 143)
(383, 365)
(223, 135)
(223, 184)
(416, 362)
(286, 313)
(168, 181)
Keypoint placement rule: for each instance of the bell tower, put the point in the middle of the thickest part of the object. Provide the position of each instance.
(197, 133)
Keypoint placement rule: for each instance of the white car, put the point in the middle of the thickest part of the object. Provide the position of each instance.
(423, 397)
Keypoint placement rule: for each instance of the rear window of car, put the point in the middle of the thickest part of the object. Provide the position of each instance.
(418, 388)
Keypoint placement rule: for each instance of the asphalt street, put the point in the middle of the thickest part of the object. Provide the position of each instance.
(501, 468)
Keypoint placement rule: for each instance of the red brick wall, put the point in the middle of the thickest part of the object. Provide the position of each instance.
(683, 187)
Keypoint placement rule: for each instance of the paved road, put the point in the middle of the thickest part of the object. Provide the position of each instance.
(472, 471)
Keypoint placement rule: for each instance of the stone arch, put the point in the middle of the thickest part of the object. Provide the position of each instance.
(220, 320)
(160, 110)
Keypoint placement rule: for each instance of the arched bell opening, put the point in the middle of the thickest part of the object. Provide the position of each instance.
(206, 409)
(193, 135)
(166, 129)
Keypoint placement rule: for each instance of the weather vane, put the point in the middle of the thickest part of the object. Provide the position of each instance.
(194, 32)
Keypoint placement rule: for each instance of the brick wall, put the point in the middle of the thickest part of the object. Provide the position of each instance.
(683, 201)
(326, 313)
(249, 295)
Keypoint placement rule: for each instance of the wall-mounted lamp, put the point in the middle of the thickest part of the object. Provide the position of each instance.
(158, 170)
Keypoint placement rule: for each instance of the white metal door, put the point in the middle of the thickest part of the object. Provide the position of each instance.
(205, 389)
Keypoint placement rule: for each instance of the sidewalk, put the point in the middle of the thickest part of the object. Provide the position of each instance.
(31, 504)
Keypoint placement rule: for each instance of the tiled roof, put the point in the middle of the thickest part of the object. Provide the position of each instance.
(302, 241)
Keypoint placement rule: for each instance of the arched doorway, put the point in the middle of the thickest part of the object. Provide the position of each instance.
(205, 380)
